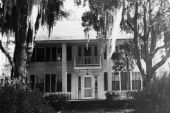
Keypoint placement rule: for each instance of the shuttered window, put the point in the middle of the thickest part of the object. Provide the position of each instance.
(69, 53)
(105, 81)
(68, 82)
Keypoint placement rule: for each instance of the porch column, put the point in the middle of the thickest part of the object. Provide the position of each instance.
(64, 67)
(109, 70)
(131, 80)
(120, 84)
(141, 78)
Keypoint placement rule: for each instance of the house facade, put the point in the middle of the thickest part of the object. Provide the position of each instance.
(66, 63)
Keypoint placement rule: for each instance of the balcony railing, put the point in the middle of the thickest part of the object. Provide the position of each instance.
(84, 61)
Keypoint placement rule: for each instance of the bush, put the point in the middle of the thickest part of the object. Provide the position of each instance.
(155, 98)
(130, 95)
(58, 101)
(16, 100)
(110, 96)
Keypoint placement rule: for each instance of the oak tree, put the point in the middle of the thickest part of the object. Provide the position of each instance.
(148, 21)
(15, 20)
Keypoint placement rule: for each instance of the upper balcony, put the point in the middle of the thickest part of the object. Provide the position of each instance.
(87, 62)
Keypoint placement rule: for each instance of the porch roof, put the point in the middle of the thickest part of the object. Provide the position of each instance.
(65, 31)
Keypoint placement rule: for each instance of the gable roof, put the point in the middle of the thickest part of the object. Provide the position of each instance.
(65, 31)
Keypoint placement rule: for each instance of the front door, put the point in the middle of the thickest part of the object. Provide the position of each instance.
(88, 87)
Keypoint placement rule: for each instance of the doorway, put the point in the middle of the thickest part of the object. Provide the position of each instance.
(88, 85)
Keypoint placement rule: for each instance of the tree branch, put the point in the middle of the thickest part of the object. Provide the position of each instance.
(130, 25)
(158, 14)
(157, 49)
(160, 63)
(6, 54)
(110, 12)
(153, 41)
(140, 67)
(136, 48)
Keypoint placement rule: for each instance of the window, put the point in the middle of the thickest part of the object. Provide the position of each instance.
(69, 53)
(105, 81)
(59, 83)
(54, 54)
(79, 83)
(115, 81)
(40, 54)
(96, 83)
(125, 80)
(40, 83)
(59, 54)
(95, 50)
(33, 56)
(48, 55)
(50, 83)
(87, 51)
(68, 82)
(32, 82)
(105, 54)
(79, 51)
(53, 82)
(47, 83)
(136, 81)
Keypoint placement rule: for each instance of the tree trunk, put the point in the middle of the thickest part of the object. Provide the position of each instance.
(149, 73)
(146, 81)
(20, 52)
(20, 58)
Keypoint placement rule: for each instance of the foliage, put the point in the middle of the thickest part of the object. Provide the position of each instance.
(130, 94)
(58, 101)
(96, 17)
(148, 21)
(16, 100)
(15, 20)
(123, 58)
(110, 96)
(91, 19)
(155, 98)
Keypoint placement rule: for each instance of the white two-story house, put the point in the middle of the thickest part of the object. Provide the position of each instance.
(65, 63)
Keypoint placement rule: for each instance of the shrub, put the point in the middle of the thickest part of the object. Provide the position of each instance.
(130, 95)
(58, 101)
(16, 100)
(155, 98)
(110, 96)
